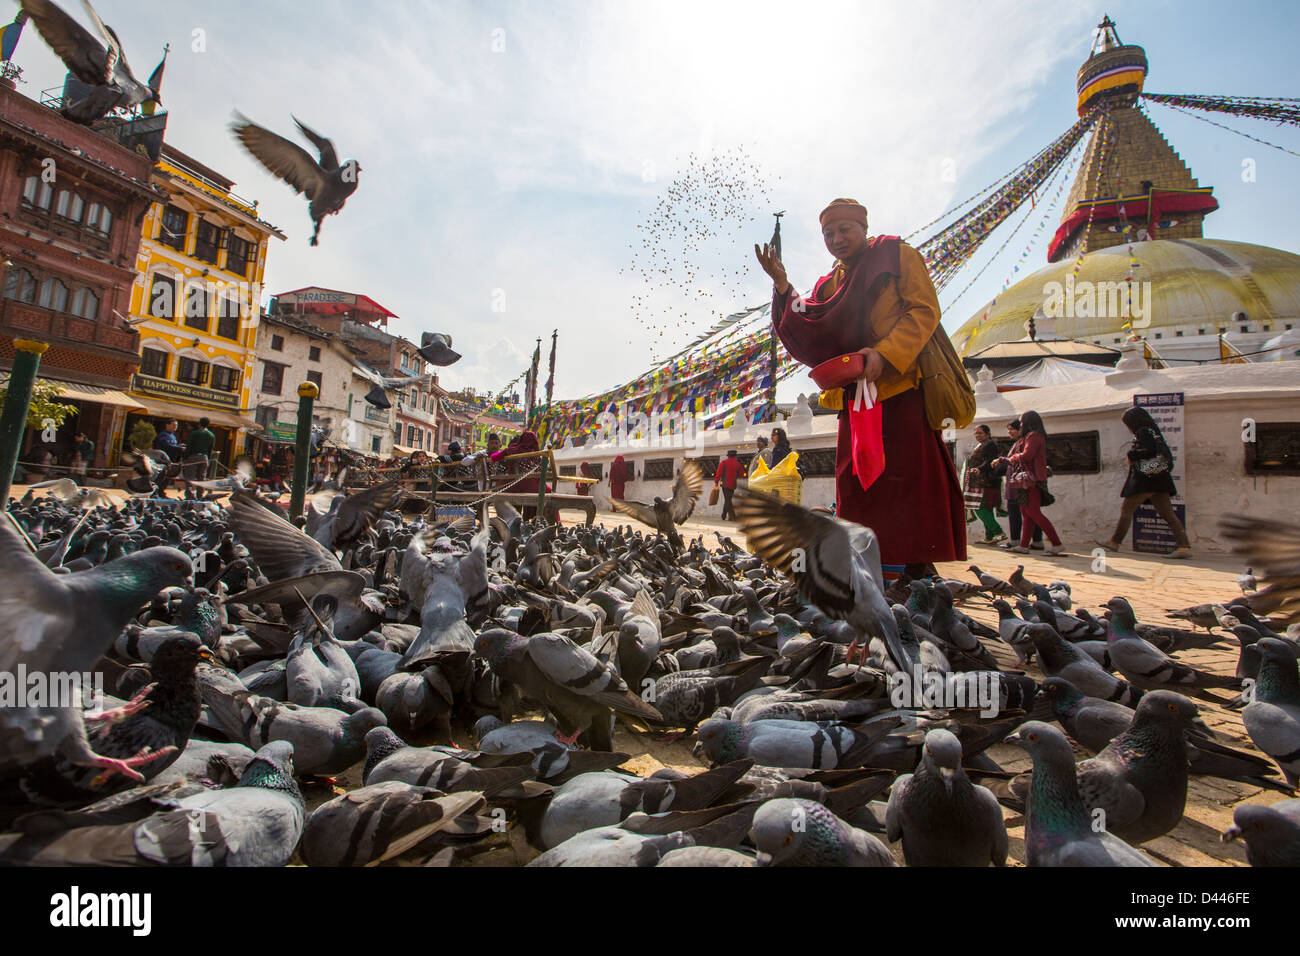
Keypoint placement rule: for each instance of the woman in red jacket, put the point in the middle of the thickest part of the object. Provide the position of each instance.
(1026, 477)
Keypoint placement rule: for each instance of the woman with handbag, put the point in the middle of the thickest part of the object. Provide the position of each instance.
(1150, 479)
(875, 314)
(1027, 480)
(984, 487)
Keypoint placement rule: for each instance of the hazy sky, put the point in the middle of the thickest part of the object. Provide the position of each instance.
(509, 149)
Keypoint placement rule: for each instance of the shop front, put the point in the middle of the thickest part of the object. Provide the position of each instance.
(163, 400)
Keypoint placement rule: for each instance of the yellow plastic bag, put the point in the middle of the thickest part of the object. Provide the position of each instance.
(783, 480)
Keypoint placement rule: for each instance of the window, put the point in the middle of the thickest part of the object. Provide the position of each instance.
(1275, 450)
(154, 363)
(1160, 335)
(69, 206)
(1200, 331)
(658, 469)
(162, 297)
(21, 285)
(37, 193)
(172, 229)
(374, 443)
(85, 303)
(228, 317)
(99, 219)
(192, 372)
(207, 240)
(313, 353)
(196, 307)
(1178, 333)
(54, 295)
(225, 379)
(267, 415)
(410, 434)
(314, 376)
(238, 252)
(272, 378)
(277, 343)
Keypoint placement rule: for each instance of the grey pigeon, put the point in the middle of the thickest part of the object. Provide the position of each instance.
(326, 184)
(612, 846)
(664, 516)
(257, 823)
(65, 623)
(578, 689)
(325, 740)
(1059, 658)
(835, 563)
(435, 348)
(447, 769)
(380, 822)
(98, 63)
(791, 743)
(1139, 780)
(553, 760)
(1272, 718)
(1271, 833)
(942, 818)
(1146, 666)
(798, 832)
(1058, 828)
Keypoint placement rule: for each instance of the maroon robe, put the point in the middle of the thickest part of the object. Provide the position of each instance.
(915, 507)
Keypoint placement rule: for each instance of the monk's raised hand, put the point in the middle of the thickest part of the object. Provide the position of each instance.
(767, 258)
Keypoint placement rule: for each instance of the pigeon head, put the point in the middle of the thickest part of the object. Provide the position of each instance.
(272, 769)
(363, 721)
(716, 739)
(142, 574)
(1042, 634)
(1042, 742)
(1061, 693)
(177, 657)
(1272, 649)
(484, 726)
(492, 645)
(785, 828)
(1121, 612)
(381, 742)
(1261, 828)
(1165, 707)
(941, 755)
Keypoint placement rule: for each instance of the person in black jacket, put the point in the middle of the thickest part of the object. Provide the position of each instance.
(1150, 479)
(983, 480)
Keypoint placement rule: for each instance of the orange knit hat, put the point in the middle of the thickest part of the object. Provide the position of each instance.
(849, 209)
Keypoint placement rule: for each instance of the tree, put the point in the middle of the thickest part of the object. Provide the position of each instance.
(142, 435)
(44, 411)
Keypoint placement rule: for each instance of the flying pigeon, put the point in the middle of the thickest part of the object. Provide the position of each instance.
(99, 63)
(435, 348)
(663, 515)
(326, 184)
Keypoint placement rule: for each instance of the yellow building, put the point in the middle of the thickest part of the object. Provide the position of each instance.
(196, 302)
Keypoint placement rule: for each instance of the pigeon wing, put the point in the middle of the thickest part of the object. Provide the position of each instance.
(34, 606)
(565, 663)
(359, 511)
(83, 55)
(639, 510)
(283, 159)
(329, 160)
(280, 550)
(686, 490)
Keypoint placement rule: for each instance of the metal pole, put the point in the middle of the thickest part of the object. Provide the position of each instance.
(18, 399)
(772, 362)
(307, 395)
(541, 487)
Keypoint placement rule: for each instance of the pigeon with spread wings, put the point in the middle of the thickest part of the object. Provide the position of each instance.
(835, 563)
(326, 184)
(97, 62)
(663, 515)
(1273, 550)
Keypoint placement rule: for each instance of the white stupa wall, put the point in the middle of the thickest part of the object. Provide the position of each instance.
(1217, 400)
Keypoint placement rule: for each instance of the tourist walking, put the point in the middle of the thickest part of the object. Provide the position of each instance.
(1013, 504)
(984, 483)
(1027, 479)
(729, 471)
(1150, 481)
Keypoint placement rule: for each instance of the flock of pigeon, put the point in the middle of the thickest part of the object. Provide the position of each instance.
(456, 689)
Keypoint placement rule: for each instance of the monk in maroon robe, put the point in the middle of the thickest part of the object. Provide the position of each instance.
(878, 300)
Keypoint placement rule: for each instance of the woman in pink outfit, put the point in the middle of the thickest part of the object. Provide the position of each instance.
(1026, 478)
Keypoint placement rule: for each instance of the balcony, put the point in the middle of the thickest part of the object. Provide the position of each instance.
(22, 320)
